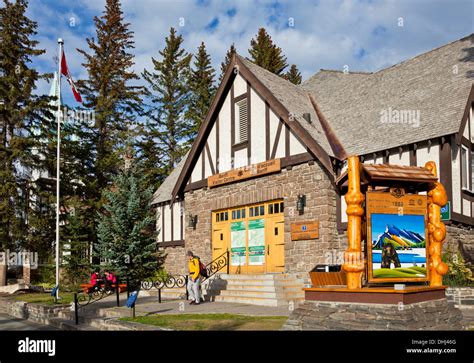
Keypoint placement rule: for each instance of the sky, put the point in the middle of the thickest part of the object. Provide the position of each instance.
(362, 35)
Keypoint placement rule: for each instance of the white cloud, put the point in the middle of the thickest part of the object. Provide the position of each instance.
(327, 33)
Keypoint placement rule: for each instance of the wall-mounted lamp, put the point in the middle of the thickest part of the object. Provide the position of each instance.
(301, 203)
(192, 221)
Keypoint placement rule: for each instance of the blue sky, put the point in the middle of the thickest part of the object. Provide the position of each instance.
(364, 35)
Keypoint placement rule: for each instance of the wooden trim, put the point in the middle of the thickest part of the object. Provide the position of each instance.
(465, 115)
(203, 164)
(386, 156)
(412, 155)
(469, 195)
(209, 157)
(232, 126)
(277, 139)
(267, 131)
(240, 146)
(243, 96)
(445, 171)
(181, 220)
(295, 159)
(178, 243)
(462, 218)
(196, 185)
(172, 221)
(162, 223)
(249, 124)
(217, 144)
(287, 141)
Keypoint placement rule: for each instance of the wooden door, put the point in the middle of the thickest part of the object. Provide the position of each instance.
(275, 244)
(220, 239)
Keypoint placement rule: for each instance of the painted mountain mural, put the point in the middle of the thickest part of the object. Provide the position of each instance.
(398, 246)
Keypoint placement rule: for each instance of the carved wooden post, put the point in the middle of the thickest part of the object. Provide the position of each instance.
(353, 262)
(437, 198)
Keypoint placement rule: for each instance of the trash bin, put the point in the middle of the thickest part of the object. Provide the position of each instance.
(327, 275)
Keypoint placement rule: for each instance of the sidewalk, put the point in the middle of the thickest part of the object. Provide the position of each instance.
(150, 306)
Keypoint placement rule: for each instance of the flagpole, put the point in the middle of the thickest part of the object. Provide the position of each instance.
(58, 162)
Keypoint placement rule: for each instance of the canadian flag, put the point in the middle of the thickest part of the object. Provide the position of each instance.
(65, 72)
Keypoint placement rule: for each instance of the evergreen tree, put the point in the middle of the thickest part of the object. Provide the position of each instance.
(76, 242)
(109, 90)
(293, 75)
(228, 57)
(202, 89)
(168, 93)
(126, 227)
(266, 54)
(23, 116)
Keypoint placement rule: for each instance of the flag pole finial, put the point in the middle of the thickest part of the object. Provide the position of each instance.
(60, 41)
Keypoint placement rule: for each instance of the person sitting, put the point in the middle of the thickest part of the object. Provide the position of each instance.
(109, 280)
(96, 280)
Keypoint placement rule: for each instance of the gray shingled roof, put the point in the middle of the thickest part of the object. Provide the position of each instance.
(295, 99)
(352, 103)
(163, 193)
(436, 83)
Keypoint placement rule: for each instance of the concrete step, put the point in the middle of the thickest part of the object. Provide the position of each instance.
(251, 300)
(254, 276)
(255, 282)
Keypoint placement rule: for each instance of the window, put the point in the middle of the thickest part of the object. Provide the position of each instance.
(275, 208)
(465, 168)
(241, 125)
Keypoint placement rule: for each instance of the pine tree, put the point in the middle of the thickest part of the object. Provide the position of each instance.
(23, 116)
(168, 93)
(266, 54)
(108, 90)
(293, 75)
(202, 89)
(76, 241)
(228, 57)
(126, 227)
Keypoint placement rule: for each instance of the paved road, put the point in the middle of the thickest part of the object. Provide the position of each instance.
(8, 322)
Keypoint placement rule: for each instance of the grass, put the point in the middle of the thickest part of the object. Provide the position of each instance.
(400, 272)
(45, 298)
(211, 321)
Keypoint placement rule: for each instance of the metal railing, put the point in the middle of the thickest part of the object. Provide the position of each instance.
(180, 281)
(82, 299)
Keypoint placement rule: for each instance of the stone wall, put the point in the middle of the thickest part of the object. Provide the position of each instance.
(175, 263)
(462, 238)
(308, 179)
(36, 312)
(463, 297)
(428, 315)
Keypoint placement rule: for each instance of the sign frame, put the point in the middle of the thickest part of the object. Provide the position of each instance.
(391, 203)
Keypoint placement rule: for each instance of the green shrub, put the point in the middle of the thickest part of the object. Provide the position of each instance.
(44, 275)
(460, 272)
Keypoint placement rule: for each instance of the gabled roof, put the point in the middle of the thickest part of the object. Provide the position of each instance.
(289, 108)
(436, 83)
(163, 193)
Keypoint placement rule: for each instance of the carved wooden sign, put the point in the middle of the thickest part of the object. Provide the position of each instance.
(243, 173)
(304, 230)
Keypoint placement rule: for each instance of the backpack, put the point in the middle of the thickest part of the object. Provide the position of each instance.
(202, 269)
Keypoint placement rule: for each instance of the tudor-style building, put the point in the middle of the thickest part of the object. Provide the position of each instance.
(266, 143)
